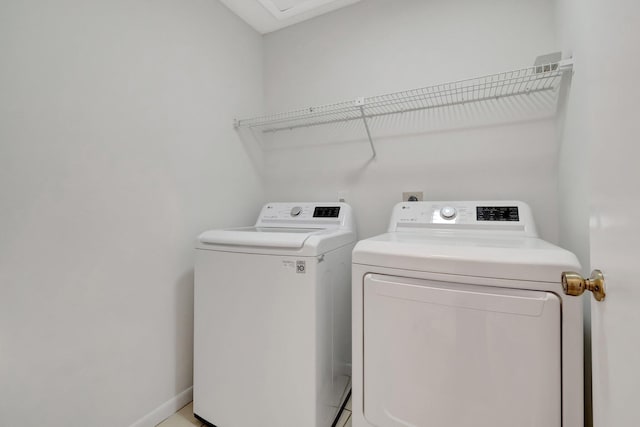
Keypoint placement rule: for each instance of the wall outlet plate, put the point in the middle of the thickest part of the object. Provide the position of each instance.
(343, 196)
(412, 196)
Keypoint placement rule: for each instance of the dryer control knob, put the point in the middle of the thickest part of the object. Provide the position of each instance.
(295, 211)
(448, 212)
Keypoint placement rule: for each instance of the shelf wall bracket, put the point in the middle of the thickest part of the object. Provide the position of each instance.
(566, 64)
(360, 103)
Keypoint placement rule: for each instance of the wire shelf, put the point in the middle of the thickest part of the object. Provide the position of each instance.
(517, 82)
(538, 78)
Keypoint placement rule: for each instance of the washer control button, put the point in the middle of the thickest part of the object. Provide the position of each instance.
(448, 212)
(295, 211)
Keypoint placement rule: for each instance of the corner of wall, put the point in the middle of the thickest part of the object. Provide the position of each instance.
(165, 410)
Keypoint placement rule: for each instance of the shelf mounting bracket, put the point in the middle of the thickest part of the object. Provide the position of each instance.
(360, 103)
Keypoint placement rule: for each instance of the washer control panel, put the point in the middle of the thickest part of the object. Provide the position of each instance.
(480, 215)
(322, 214)
(326, 212)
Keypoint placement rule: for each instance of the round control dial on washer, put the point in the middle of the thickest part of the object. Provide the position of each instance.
(296, 210)
(448, 212)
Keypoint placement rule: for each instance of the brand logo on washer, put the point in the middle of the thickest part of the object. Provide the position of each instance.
(301, 267)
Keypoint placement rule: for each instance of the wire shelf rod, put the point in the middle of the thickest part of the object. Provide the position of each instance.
(502, 84)
(378, 108)
(544, 79)
(387, 113)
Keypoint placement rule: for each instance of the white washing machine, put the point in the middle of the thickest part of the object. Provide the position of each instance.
(460, 320)
(272, 339)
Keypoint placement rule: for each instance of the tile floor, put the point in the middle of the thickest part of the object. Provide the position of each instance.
(184, 417)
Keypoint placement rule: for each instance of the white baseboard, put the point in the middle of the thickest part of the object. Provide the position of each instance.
(165, 410)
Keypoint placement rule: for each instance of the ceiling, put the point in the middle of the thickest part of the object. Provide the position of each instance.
(271, 15)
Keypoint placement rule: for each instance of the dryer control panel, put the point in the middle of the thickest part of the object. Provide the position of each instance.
(494, 215)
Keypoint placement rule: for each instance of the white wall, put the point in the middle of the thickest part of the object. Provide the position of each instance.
(573, 135)
(116, 149)
(379, 46)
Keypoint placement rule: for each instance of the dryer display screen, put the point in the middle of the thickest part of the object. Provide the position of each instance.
(326, 212)
(497, 213)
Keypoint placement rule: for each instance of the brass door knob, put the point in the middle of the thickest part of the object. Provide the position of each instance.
(575, 285)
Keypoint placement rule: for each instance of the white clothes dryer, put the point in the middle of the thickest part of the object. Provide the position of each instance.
(460, 320)
(272, 339)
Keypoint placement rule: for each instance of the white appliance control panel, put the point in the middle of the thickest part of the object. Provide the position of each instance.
(505, 215)
(308, 215)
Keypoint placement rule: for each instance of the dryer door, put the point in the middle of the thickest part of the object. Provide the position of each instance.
(445, 354)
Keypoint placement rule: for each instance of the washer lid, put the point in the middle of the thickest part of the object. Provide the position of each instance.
(291, 228)
(275, 241)
(273, 237)
(469, 254)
